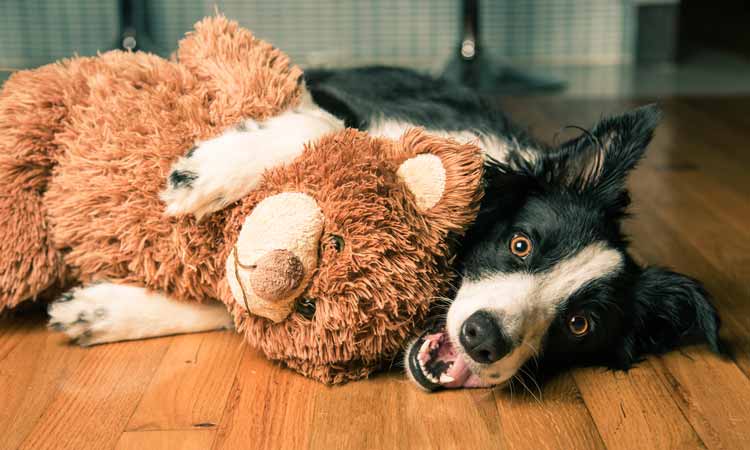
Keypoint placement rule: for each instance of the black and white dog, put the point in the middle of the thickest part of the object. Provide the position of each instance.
(546, 273)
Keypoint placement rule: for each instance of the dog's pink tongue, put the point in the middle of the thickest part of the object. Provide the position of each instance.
(462, 376)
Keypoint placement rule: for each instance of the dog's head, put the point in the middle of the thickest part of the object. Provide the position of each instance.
(546, 273)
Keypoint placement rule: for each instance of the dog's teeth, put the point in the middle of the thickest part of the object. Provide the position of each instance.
(425, 346)
(445, 378)
(427, 374)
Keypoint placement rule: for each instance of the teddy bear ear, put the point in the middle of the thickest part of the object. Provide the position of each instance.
(443, 175)
(242, 76)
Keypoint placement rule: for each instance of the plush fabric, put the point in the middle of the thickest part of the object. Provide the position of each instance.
(85, 148)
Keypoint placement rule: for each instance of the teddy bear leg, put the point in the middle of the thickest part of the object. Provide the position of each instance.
(222, 170)
(32, 113)
(108, 312)
(29, 264)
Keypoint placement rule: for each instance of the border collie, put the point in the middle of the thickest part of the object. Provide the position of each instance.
(545, 269)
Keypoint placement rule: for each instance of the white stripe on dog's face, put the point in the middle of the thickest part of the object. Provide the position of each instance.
(524, 304)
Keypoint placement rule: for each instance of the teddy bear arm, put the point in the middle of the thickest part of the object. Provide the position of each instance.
(222, 170)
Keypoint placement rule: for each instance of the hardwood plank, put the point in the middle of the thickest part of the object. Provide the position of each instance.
(32, 370)
(718, 409)
(732, 110)
(268, 407)
(353, 408)
(553, 417)
(731, 208)
(715, 130)
(409, 418)
(712, 393)
(634, 409)
(389, 412)
(166, 440)
(714, 152)
(192, 384)
(93, 405)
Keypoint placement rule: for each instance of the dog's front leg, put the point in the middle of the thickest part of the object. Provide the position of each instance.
(108, 312)
(222, 170)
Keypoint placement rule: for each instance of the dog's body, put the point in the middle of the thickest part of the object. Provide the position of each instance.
(546, 272)
(387, 101)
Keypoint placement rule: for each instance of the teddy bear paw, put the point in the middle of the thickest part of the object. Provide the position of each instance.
(85, 320)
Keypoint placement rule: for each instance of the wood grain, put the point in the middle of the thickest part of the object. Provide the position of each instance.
(403, 417)
(95, 400)
(552, 416)
(32, 370)
(268, 407)
(166, 440)
(692, 205)
(634, 409)
(191, 385)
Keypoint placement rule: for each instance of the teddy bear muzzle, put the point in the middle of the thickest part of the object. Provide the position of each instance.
(275, 255)
(276, 275)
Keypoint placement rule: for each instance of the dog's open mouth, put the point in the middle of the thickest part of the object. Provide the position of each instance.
(435, 364)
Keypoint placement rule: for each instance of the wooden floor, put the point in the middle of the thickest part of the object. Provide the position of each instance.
(692, 204)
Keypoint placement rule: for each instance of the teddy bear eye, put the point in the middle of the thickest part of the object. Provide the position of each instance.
(337, 242)
(305, 307)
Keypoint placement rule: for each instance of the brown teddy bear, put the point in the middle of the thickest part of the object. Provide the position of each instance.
(327, 255)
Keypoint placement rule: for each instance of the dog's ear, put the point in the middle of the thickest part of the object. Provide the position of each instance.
(599, 161)
(669, 309)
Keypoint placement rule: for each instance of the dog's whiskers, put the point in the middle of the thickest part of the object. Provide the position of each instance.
(526, 387)
(534, 354)
(533, 379)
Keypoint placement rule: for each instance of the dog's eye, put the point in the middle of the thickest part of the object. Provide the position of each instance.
(337, 242)
(305, 307)
(578, 324)
(520, 245)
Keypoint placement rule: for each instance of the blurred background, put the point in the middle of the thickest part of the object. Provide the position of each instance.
(564, 47)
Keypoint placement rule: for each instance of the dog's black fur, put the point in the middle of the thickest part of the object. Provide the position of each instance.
(563, 198)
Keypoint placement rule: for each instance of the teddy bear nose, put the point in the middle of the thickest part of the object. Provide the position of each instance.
(276, 275)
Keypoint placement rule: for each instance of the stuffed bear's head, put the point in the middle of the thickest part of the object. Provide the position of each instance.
(335, 259)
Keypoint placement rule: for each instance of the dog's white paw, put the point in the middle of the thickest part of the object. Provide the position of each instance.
(214, 173)
(108, 312)
(86, 320)
(222, 170)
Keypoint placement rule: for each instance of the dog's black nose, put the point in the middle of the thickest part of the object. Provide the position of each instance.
(482, 339)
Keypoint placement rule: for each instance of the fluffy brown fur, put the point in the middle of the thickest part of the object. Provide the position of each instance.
(86, 146)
